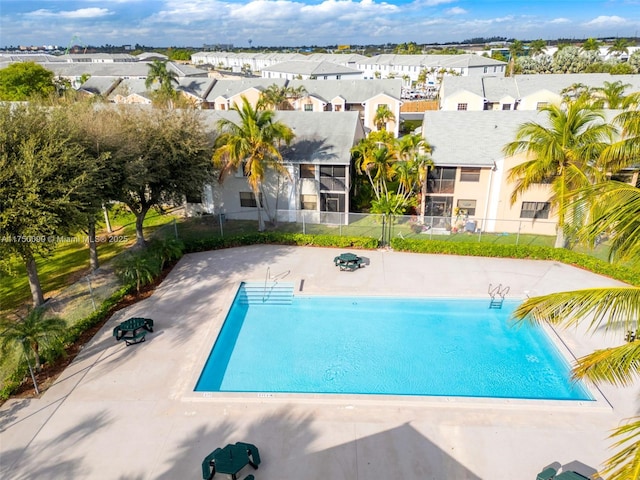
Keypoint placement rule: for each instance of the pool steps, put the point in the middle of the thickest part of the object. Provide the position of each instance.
(269, 293)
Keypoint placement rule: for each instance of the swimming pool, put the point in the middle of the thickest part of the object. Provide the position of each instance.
(386, 346)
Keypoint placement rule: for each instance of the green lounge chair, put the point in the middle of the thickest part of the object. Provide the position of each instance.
(547, 474)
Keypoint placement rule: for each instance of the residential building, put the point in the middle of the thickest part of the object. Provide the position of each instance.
(225, 93)
(309, 70)
(471, 174)
(319, 174)
(520, 92)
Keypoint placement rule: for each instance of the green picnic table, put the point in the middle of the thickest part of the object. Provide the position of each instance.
(133, 330)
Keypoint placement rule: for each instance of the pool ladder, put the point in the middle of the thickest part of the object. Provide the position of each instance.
(497, 295)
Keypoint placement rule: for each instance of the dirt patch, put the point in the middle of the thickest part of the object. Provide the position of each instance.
(51, 371)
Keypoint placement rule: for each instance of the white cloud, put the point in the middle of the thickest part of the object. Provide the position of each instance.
(560, 21)
(605, 21)
(92, 12)
(456, 11)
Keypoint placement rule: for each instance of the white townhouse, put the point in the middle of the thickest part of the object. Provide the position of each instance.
(471, 173)
(520, 92)
(378, 66)
(307, 70)
(316, 189)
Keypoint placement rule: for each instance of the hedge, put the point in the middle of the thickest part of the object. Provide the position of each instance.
(581, 260)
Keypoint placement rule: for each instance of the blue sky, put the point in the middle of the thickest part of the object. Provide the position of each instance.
(307, 22)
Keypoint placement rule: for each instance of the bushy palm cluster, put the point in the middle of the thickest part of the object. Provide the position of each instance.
(395, 168)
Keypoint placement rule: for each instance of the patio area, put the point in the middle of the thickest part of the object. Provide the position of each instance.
(130, 413)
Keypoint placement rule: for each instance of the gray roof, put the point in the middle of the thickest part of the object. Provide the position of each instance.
(443, 61)
(116, 69)
(229, 88)
(321, 137)
(311, 68)
(353, 91)
(89, 57)
(476, 138)
(197, 86)
(99, 85)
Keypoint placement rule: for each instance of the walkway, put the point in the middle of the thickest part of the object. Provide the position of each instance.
(122, 412)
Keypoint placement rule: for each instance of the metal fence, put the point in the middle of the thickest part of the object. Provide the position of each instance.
(381, 227)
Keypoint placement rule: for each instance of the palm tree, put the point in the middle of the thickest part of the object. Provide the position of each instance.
(620, 46)
(382, 116)
(278, 97)
(613, 93)
(32, 332)
(414, 148)
(159, 73)
(563, 153)
(515, 50)
(537, 47)
(614, 308)
(591, 45)
(252, 145)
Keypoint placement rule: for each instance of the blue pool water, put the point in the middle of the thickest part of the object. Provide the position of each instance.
(386, 346)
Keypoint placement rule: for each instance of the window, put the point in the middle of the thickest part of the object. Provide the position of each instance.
(469, 174)
(337, 108)
(441, 180)
(248, 199)
(307, 171)
(308, 107)
(506, 106)
(467, 206)
(462, 106)
(332, 202)
(541, 105)
(535, 210)
(624, 177)
(485, 69)
(438, 206)
(333, 177)
(308, 202)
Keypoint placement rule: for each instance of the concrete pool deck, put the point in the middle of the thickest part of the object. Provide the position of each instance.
(121, 412)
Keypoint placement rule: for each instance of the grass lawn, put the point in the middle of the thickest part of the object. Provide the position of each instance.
(69, 261)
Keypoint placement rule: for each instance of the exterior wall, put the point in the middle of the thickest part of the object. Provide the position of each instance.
(252, 94)
(317, 105)
(369, 112)
(508, 216)
(530, 102)
(473, 101)
(497, 70)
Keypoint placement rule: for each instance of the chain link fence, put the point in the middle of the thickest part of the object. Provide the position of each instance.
(381, 227)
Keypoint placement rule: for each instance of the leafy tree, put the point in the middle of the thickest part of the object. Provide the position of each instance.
(564, 152)
(622, 68)
(383, 116)
(252, 145)
(25, 80)
(32, 332)
(608, 309)
(42, 180)
(161, 157)
(97, 130)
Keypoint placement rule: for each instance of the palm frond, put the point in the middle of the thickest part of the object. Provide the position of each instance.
(618, 365)
(625, 464)
(609, 308)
